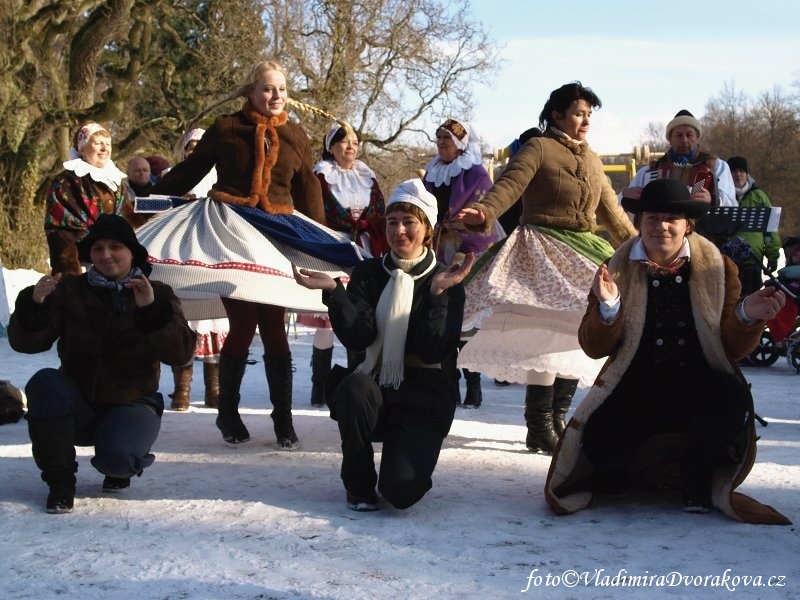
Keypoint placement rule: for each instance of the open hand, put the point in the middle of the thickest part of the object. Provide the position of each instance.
(142, 291)
(44, 287)
(452, 276)
(313, 280)
(603, 286)
(470, 216)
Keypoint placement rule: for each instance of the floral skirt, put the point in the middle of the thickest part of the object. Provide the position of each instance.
(527, 303)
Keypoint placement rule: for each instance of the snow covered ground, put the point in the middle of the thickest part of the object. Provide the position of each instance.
(214, 521)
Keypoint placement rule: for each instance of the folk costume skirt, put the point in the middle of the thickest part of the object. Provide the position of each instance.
(527, 302)
(206, 250)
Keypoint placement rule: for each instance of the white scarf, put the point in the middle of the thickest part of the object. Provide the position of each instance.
(391, 316)
(110, 176)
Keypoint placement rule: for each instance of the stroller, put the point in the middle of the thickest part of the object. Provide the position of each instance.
(781, 337)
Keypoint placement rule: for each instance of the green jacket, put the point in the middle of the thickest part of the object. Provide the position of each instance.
(761, 244)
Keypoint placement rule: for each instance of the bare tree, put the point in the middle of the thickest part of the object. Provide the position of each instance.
(137, 66)
(766, 131)
(383, 65)
(148, 68)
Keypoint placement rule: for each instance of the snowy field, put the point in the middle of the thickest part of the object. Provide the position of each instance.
(213, 521)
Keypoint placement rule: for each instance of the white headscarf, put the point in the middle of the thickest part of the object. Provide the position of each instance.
(109, 175)
(440, 173)
(413, 191)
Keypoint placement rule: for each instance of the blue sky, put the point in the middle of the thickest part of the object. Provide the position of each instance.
(645, 65)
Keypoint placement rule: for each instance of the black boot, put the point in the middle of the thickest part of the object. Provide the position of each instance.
(563, 391)
(231, 372)
(320, 367)
(474, 395)
(279, 380)
(53, 445)
(539, 419)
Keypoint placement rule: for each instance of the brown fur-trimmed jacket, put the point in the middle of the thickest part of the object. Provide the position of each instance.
(562, 184)
(714, 291)
(261, 162)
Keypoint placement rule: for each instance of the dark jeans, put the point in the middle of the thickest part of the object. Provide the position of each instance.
(410, 451)
(711, 408)
(122, 435)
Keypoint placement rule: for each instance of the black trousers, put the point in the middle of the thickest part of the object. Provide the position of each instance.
(410, 450)
(711, 408)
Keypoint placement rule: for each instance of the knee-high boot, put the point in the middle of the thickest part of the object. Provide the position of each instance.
(320, 367)
(279, 380)
(474, 395)
(231, 372)
(539, 419)
(53, 445)
(182, 376)
(211, 381)
(563, 391)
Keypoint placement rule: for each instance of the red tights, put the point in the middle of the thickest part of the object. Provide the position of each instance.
(244, 316)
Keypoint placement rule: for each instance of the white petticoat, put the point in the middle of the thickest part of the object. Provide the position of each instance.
(528, 303)
(205, 250)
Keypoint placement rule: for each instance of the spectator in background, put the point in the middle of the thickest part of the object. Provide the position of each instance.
(456, 177)
(756, 245)
(188, 143)
(139, 176)
(354, 204)
(158, 166)
(90, 185)
(211, 333)
(707, 175)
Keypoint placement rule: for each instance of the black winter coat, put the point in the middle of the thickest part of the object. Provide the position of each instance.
(427, 396)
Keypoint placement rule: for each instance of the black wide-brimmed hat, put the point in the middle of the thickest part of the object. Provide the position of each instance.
(666, 196)
(114, 227)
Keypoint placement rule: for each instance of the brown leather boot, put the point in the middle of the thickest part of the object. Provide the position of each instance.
(183, 385)
(211, 381)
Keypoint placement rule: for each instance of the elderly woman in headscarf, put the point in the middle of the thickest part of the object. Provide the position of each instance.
(354, 205)
(89, 185)
(405, 311)
(456, 177)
